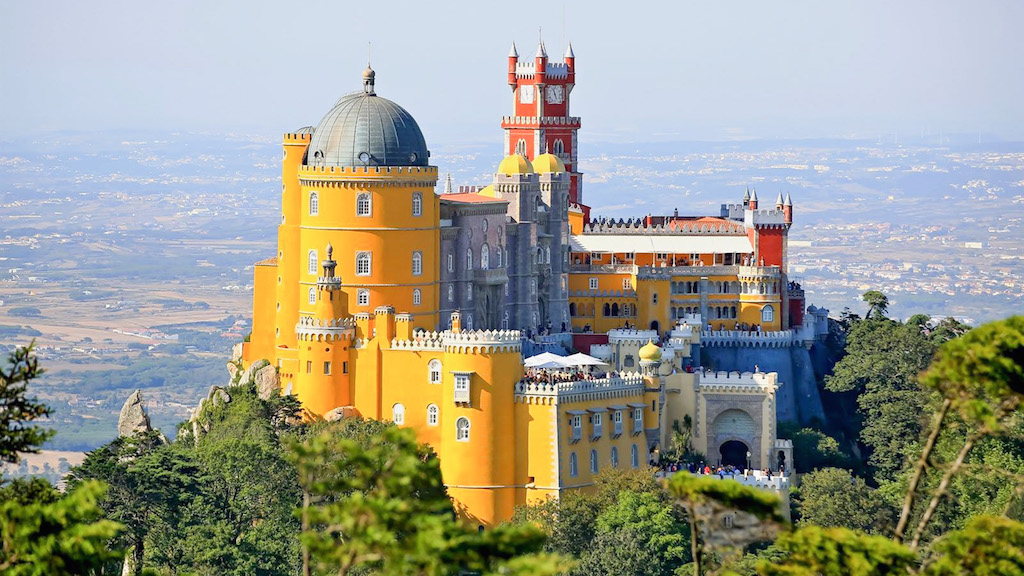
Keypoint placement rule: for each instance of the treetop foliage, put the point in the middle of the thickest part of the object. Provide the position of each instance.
(17, 410)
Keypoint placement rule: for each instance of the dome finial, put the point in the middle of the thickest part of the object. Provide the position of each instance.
(369, 74)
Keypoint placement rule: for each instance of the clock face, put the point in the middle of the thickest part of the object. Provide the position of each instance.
(555, 94)
(526, 94)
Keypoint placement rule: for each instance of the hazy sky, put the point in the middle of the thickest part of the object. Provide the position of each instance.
(679, 70)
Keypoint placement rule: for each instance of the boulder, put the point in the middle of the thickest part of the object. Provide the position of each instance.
(267, 381)
(133, 418)
(232, 371)
(236, 352)
(247, 375)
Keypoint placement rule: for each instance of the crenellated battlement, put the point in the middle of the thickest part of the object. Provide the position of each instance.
(604, 293)
(626, 384)
(745, 338)
(310, 329)
(474, 341)
(635, 336)
(417, 176)
(298, 137)
(736, 381)
(569, 121)
(421, 340)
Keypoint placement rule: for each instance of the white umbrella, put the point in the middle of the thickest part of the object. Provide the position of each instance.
(546, 360)
(581, 359)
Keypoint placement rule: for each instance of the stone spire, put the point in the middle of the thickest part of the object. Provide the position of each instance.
(568, 51)
(789, 201)
(448, 183)
(513, 53)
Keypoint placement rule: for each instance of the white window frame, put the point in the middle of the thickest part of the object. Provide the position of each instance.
(497, 257)
(617, 422)
(768, 313)
(451, 263)
(312, 261)
(433, 414)
(327, 368)
(417, 204)
(362, 297)
(417, 297)
(312, 295)
(593, 283)
(638, 420)
(462, 429)
(434, 368)
(451, 293)
(462, 388)
(485, 256)
(597, 425)
(576, 425)
(398, 414)
(469, 292)
(364, 209)
(417, 263)
(627, 284)
(314, 204)
(469, 258)
(361, 258)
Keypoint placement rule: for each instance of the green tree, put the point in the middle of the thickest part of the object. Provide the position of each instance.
(65, 537)
(640, 536)
(817, 551)
(17, 410)
(987, 546)
(388, 512)
(878, 304)
(813, 449)
(705, 497)
(832, 497)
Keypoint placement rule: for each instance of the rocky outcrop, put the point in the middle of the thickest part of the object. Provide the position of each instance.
(133, 419)
(267, 382)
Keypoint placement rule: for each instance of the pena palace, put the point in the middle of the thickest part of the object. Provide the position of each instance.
(530, 344)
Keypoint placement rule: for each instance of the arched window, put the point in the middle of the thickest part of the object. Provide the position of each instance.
(417, 204)
(634, 456)
(398, 414)
(451, 263)
(607, 310)
(363, 205)
(312, 261)
(497, 257)
(432, 415)
(312, 295)
(732, 311)
(767, 314)
(462, 429)
(364, 263)
(615, 457)
(504, 321)
(469, 258)
(434, 371)
(314, 204)
(451, 293)
(363, 297)
(417, 297)
(593, 462)
(574, 465)
(521, 147)
(485, 257)
(558, 147)
(469, 321)
(417, 263)
(469, 292)
(572, 308)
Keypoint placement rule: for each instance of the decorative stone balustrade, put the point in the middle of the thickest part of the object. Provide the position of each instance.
(627, 384)
(758, 271)
(603, 268)
(666, 272)
(623, 335)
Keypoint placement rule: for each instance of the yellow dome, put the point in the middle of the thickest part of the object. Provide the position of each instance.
(547, 163)
(650, 352)
(515, 164)
(488, 191)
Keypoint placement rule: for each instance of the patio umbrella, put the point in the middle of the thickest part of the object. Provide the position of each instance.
(581, 359)
(546, 360)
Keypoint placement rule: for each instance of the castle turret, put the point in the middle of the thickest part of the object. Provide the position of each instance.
(570, 63)
(787, 210)
(778, 202)
(753, 199)
(513, 61)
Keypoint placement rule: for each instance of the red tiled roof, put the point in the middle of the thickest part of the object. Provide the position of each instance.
(267, 262)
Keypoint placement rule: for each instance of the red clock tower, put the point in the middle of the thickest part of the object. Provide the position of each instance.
(540, 121)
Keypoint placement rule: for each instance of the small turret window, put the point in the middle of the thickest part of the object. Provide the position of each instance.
(312, 295)
(417, 204)
(462, 429)
(451, 293)
(521, 145)
(398, 414)
(314, 204)
(417, 263)
(434, 371)
(469, 258)
(363, 297)
(363, 205)
(497, 258)
(432, 413)
(417, 297)
(485, 257)
(312, 261)
(558, 147)
(451, 263)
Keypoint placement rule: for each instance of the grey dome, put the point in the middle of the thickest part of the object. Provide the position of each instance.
(364, 129)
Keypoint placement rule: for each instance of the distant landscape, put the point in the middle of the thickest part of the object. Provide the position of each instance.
(127, 257)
